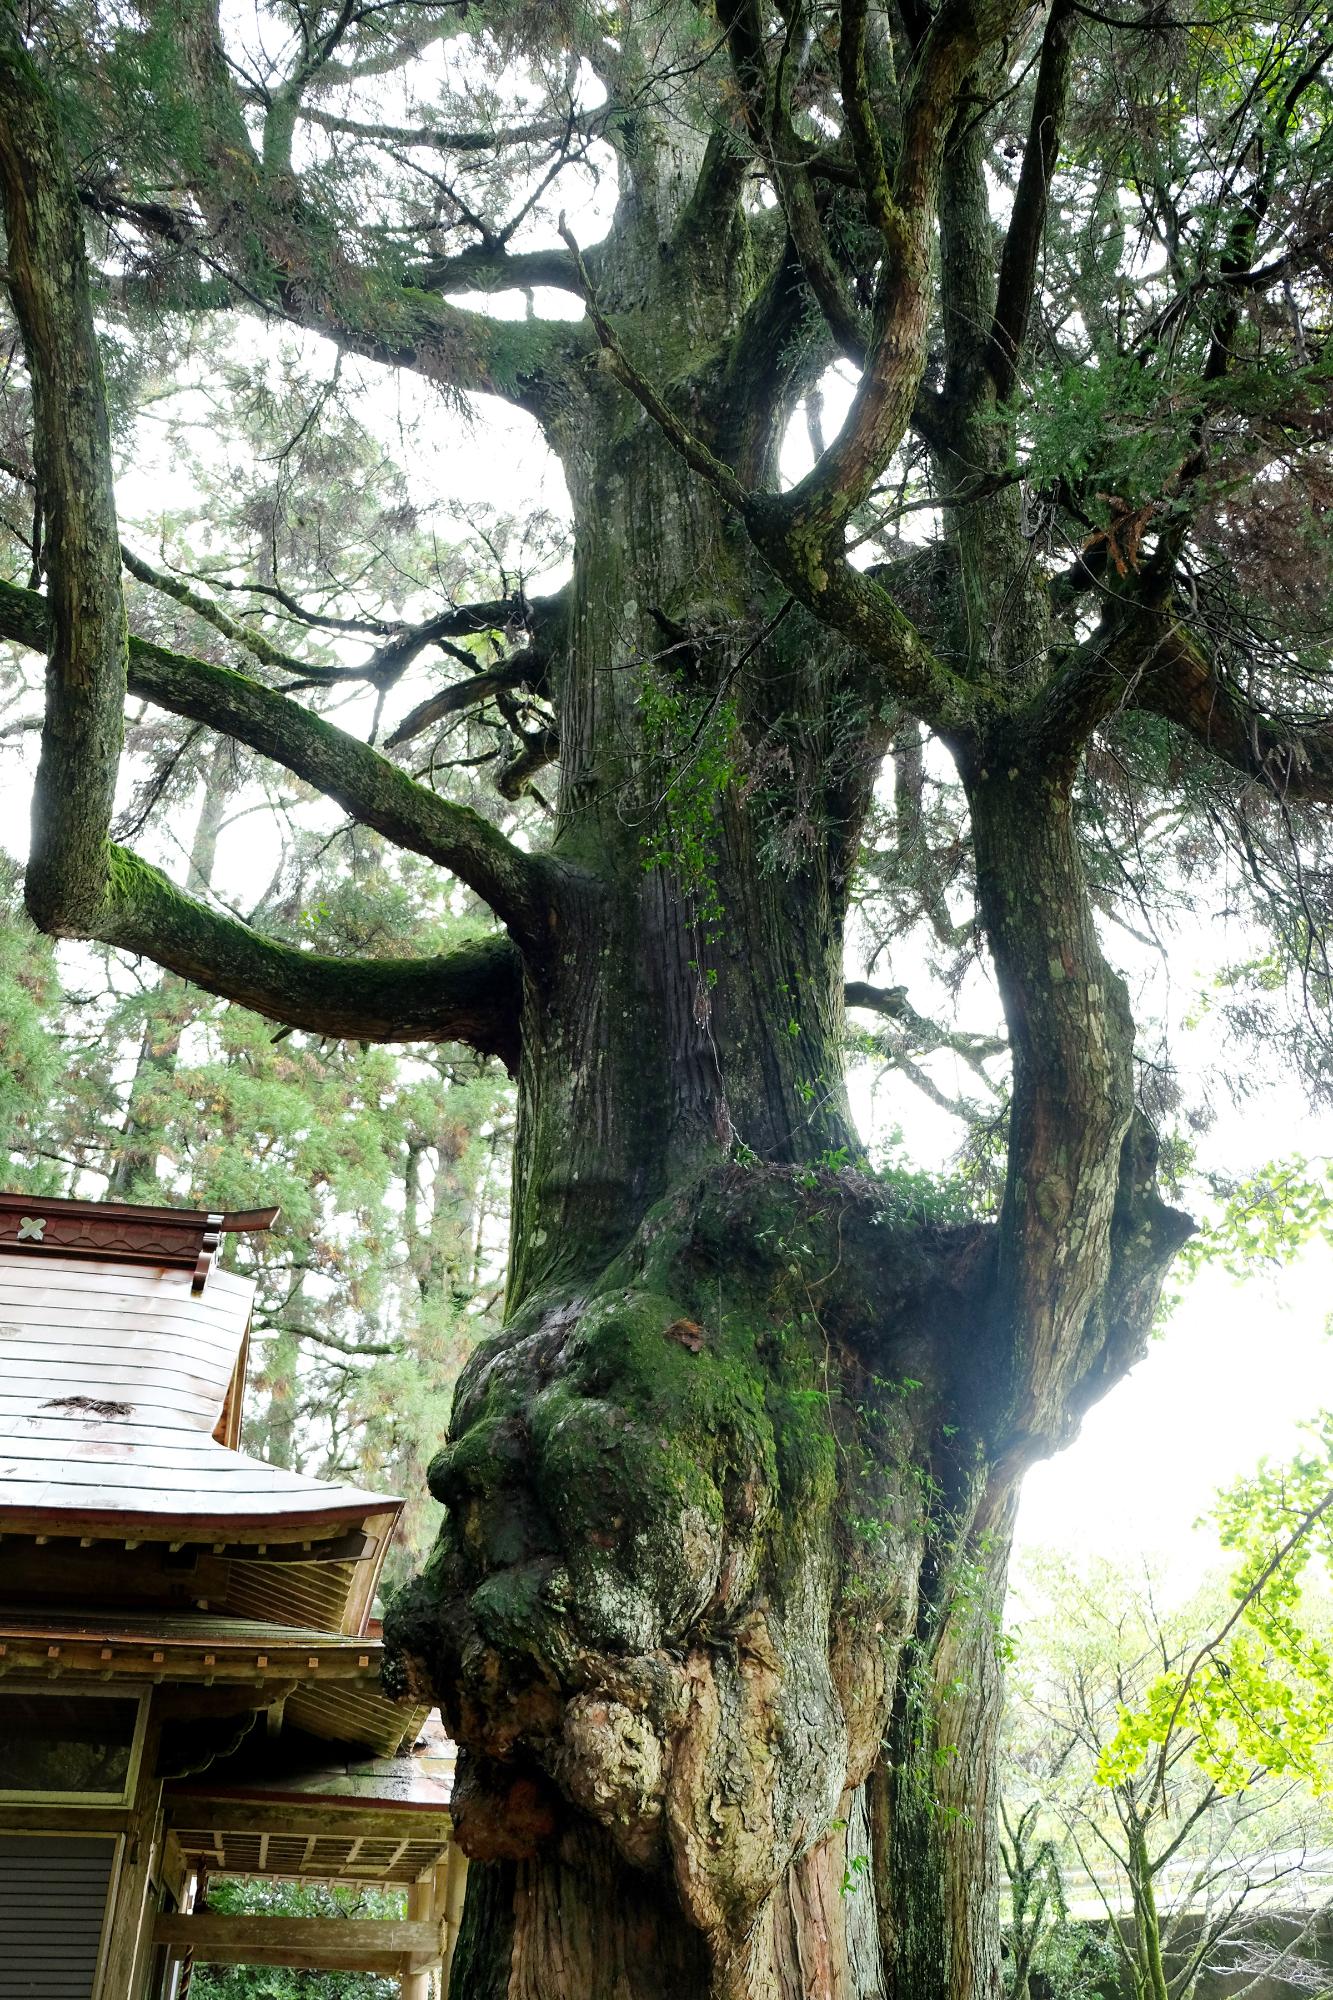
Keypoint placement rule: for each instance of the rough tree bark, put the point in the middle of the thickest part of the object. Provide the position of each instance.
(713, 1614)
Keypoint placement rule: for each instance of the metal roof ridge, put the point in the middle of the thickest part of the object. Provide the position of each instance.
(157, 1236)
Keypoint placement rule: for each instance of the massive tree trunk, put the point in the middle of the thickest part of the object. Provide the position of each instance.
(714, 1612)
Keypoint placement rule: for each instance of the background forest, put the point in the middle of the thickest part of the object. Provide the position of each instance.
(390, 1170)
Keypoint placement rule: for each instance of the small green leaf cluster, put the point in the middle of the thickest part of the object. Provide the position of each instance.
(1075, 1961)
(909, 1194)
(1106, 422)
(856, 1872)
(294, 1899)
(1266, 1217)
(691, 738)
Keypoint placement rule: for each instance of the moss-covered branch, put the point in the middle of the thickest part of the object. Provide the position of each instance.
(856, 605)
(366, 784)
(1145, 1237)
(83, 617)
(246, 637)
(905, 215)
(470, 994)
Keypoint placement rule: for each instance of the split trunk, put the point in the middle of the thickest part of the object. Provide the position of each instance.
(715, 1610)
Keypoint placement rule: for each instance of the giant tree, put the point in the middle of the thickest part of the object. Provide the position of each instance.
(713, 1612)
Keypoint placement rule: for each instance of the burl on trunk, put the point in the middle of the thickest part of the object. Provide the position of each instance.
(715, 1607)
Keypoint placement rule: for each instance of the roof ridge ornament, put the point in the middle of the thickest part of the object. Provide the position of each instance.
(208, 1244)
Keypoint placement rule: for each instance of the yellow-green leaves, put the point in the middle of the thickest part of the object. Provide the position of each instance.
(1256, 1696)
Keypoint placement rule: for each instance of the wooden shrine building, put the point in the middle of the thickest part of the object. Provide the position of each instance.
(189, 1666)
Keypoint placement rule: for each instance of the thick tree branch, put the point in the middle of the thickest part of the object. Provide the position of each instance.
(1027, 223)
(459, 621)
(281, 264)
(715, 201)
(401, 646)
(886, 395)
(967, 299)
(366, 784)
(769, 366)
(1145, 1236)
(1292, 760)
(859, 112)
(1071, 1040)
(456, 700)
(852, 603)
(470, 994)
(1142, 657)
(765, 102)
(83, 633)
(484, 269)
(537, 748)
(1102, 675)
(439, 139)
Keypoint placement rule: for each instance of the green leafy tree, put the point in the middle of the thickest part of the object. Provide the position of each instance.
(1186, 1859)
(1256, 1691)
(729, 1496)
(1049, 1953)
(294, 1899)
